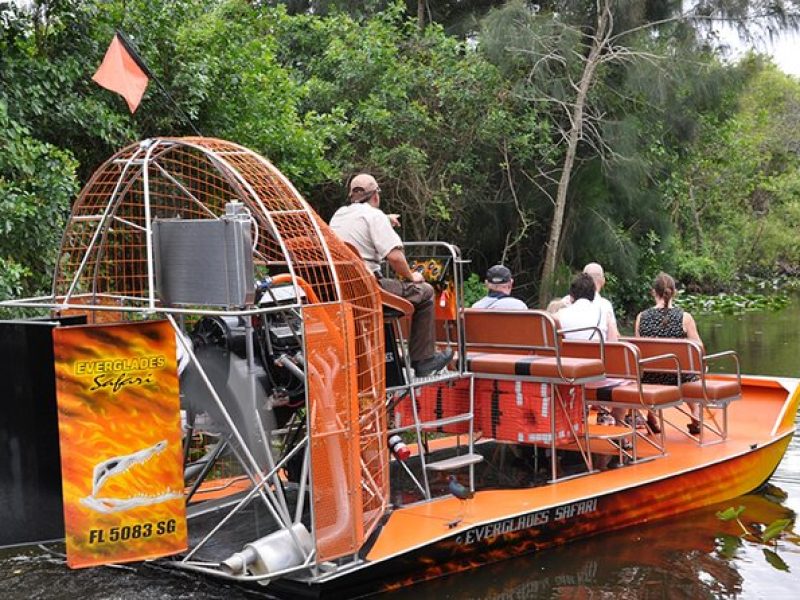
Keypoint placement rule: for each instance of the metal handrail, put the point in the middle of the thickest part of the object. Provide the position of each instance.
(458, 284)
(658, 357)
(711, 357)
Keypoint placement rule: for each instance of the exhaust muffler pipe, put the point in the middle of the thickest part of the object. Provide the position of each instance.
(270, 554)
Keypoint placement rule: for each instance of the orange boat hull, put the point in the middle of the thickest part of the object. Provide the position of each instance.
(546, 528)
(421, 542)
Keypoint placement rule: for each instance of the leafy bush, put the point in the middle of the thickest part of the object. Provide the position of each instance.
(37, 183)
(474, 289)
(702, 272)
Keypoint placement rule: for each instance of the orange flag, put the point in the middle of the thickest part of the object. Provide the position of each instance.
(122, 73)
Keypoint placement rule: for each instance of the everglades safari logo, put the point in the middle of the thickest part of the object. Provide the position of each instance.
(116, 374)
(121, 442)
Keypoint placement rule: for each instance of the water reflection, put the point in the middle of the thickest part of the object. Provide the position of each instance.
(690, 557)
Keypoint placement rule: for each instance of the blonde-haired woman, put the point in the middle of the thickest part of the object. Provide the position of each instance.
(667, 321)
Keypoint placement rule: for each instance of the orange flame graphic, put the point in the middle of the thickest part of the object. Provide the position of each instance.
(120, 442)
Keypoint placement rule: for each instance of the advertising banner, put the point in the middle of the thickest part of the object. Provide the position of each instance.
(120, 438)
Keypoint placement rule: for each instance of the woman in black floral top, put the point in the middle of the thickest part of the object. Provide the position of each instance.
(667, 321)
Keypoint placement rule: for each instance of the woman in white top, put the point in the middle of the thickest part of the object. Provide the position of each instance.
(582, 313)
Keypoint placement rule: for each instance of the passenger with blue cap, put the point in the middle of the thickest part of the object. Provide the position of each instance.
(500, 282)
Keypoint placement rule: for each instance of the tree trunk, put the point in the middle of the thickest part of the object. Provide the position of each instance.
(421, 14)
(698, 228)
(599, 40)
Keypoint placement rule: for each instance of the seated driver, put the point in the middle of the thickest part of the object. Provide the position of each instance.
(369, 230)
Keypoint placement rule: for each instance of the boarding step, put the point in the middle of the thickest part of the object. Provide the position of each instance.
(457, 462)
(434, 424)
(609, 432)
(437, 377)
(418, 382)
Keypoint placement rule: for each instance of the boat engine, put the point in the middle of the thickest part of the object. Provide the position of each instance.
(260, 393)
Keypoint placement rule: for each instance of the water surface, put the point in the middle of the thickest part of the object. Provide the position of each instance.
(768, 343)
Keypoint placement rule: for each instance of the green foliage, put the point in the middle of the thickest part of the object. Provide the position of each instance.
(474, 289)
(735, 194)
(702, 271)
(11, 277)
(774, 529)
(37, 182)
(730, 513)
(233, 81)
(409, 118)
(730, 304)
(691, 165)
(629, 295)
(46, 65)
(562, 278)
(774, 560)
(766, 534)
(728, 545)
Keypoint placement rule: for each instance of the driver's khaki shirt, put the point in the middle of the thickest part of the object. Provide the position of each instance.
(369, 230)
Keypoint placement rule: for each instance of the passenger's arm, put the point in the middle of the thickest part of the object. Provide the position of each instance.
(613, 332)
(397, 260)
(690, 327)
(636, 327)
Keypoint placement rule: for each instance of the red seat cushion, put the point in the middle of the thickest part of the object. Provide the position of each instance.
(653, 394)
(393, 303)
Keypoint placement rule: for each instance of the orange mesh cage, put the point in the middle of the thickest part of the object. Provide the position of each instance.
(106, 260)
(333, 404)
(92, 316)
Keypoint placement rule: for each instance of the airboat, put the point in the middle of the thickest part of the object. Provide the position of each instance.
(234, 399)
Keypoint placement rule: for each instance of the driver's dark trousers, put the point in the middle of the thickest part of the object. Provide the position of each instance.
(422, 337)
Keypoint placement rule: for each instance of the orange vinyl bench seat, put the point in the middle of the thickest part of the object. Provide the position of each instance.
(624, 389)
(698, 388)
(395, 306)
(628, 393)
(522, 344)
(533, 366)
(694, 362)
(716, 390)
(623, 364)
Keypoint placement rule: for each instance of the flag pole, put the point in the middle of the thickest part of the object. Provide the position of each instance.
(141, 64)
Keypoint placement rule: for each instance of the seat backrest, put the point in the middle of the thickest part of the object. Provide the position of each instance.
(689, 353)
(510, 330)
(620, 359)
